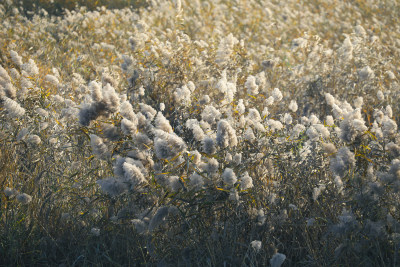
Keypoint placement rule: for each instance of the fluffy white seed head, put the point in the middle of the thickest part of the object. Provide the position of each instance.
(237, 158)
(366, 73)
(343, 161)
(358, 102)
(390, 75)
(24, 198)
(33, 139)
(256, 245)
(329, 148)
(128, 127)
(389, 127)
(183, 95)
(339, 183)
(380, 95)
(251, 86)
(133, 174)
(346, 50)
(225, 49)
(293, 106)
(174, 183)
(287, 119)
(15, 75)
(51, 79)
(329, 120)
(16, 58)
(297, 129)
(229, 177)
(209, 145)
(30, 68)
(313, 119)
(246, 181)
(126, 111)
(162, 123)
(277, 95)
(99, 149)
(10, 192)
(253, 116)
(234, 195)
(269, 101)
(389, 111)
(226, 135)
(274, 125)
(265, 112)
(196, 181)
(360, 31)
(210, 114)
(330, 100)
(113, 186)
(178, 5)
(322, 130)
(317, 191)
(312, 133)
(147, 111)
(13, 108)
(249, 135)
(211, 167)
(162, 106)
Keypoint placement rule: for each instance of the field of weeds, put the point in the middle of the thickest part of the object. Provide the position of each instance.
(200, 133)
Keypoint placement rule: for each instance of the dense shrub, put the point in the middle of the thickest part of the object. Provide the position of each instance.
(201, 133)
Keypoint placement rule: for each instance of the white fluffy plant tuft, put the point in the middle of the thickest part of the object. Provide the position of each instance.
(195, 124)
